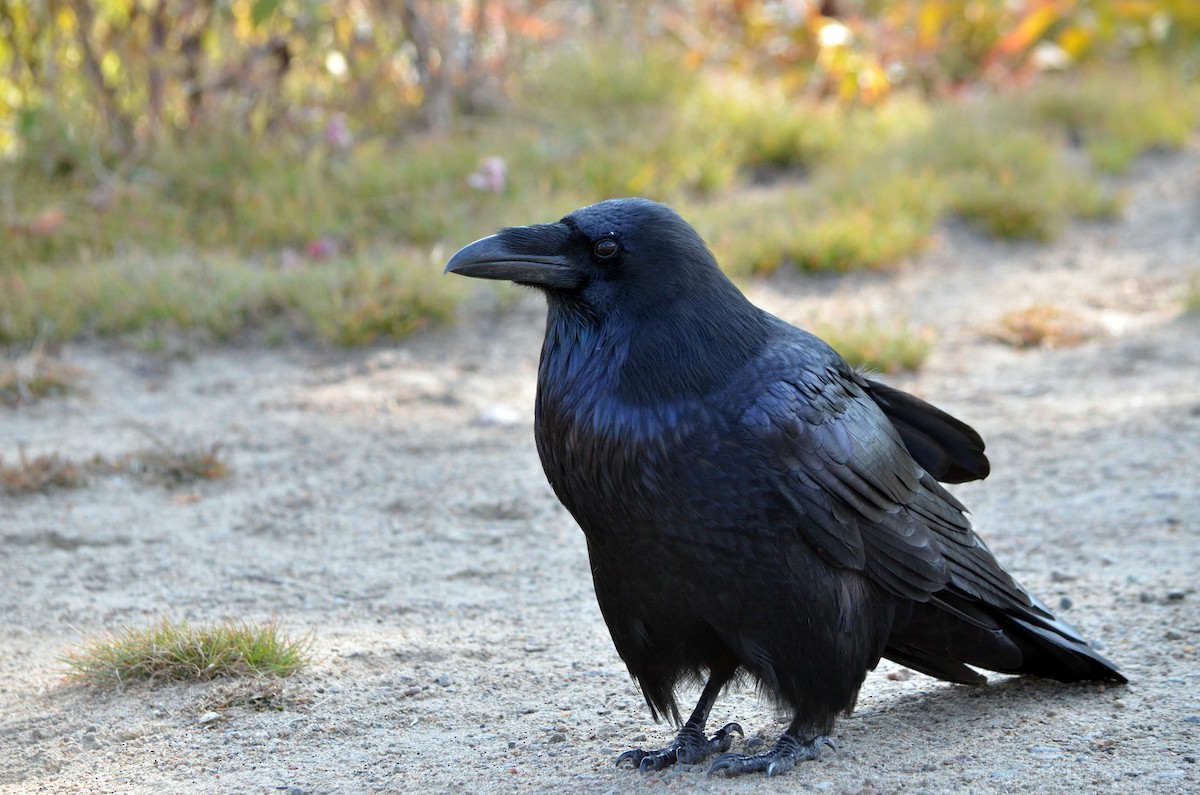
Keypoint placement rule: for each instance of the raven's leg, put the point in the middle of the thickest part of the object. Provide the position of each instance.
(787, 751)
(690, 746)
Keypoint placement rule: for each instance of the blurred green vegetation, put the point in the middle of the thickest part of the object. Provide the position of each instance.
(1191, 298)
(298, 169)
(879, 346)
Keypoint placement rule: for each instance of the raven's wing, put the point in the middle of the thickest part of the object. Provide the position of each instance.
(865, 503)
(944, 446)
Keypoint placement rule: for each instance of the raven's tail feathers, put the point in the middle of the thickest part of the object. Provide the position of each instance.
(945, 635)
(1053, 655)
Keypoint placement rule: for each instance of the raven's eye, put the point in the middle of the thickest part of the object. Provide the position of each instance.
(605, 249)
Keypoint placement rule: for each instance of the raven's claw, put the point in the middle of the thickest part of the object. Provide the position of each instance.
(689, 748)
(780, 759)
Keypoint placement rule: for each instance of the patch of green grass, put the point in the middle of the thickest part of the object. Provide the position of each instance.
(1014, 183)
(869, 214)
(1118, 112)
(1191, 298)
(225, 191)
(604, 76)
(795, 232)
(642, 124)
(764, 131)
(772, 180)
(881, 347)
(349, 300)
(184, 652)
(376, 298)
(877, 196)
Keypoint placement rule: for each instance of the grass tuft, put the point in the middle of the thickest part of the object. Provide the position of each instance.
(167, 465)
(875, 346)
(1191, 297)
(1043, 325)
(34, 376)
(171, 465)
(40, 474)
(183, 652)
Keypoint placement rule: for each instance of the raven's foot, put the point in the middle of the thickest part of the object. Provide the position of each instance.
(690, 748)
(783, 757)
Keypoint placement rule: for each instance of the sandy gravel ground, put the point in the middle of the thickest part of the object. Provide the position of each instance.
(390, 502)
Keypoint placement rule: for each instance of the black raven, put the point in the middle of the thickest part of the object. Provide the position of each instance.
(751, 503)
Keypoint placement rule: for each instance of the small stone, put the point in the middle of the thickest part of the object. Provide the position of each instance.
(558, 737)
(1192, 719)
(89, 741)
(209, 717)
(443, 679)
(903, 675)
(512, 743)
(531, 648)
(1058, 576)
(1176, 596)
(639, 738)
(1065, 603)
(499, 415)
(1145, 597)
(1047, 750)
(1173, 634)
(294, 790)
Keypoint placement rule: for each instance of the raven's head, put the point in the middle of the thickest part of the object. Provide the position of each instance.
(628, 255)
(637, 270)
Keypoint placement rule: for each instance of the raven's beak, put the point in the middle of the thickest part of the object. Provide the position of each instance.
(515, 255)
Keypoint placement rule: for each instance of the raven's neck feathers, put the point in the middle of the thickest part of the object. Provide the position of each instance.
(693, 346)
(687, 347)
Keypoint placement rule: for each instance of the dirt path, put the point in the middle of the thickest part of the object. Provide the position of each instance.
(390, 502)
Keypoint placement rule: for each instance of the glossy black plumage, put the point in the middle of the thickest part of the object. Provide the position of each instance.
(751, 503)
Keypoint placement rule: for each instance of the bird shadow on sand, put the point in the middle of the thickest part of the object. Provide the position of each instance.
(1001, 704)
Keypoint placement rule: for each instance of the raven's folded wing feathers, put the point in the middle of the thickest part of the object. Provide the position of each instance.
(944, 446)
(863, 500)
